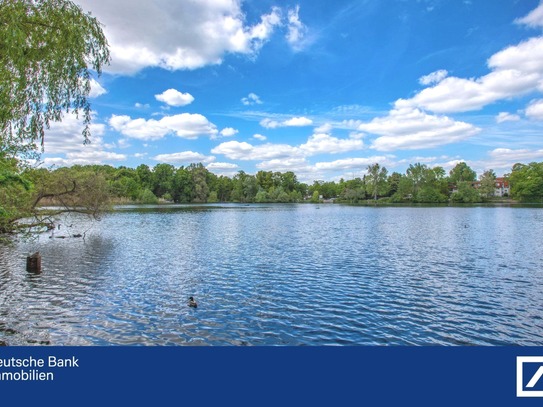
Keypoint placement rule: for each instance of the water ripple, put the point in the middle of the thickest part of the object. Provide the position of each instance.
(282, 275)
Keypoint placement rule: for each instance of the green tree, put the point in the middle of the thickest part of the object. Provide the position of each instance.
(200, 190)
(488, 183)
(245, 187)
(527, 181)
(289, 181)
(264, 180)
(182, 186)
(376, 180)
(393, 182)
(15, 194)
(48, 49)
(462, 172)
(415, 173)
(466, 193)
(162, 179)
(145, 176)
(224, 188)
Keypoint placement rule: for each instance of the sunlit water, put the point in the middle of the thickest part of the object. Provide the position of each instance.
(281, 275)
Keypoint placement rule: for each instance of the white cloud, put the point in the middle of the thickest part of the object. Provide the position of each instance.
(296, 29)
(533, 19)
(236, 150)
(434, 77)
(269, 152)
(64, 144)
(325, 128)
(184, 157)
(251, 99)
(66, 136)
(141, 105)
(516, 70)
(298, 122)
(292, 122)
(356, 135)
(269, 123)
(96, 89)
(225, 169)
(259, 137)
(503, 159)
(180, 34)
(298, 165)
(411, 129)
(326, 144)
(535, 110)
(222, 166)
(525, 57)
(84, 158)
(507, 117)
(352, 163)
(521, 155)
(229, 132)
(173, 97)
(185, 125)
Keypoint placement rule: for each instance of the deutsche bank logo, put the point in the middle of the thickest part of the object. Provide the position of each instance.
(529, 376)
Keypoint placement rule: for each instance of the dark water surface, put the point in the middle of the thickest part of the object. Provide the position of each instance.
(281, 275)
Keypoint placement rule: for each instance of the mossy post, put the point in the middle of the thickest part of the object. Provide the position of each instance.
(33, 263)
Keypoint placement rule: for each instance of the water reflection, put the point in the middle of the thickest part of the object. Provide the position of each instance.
(282, 275)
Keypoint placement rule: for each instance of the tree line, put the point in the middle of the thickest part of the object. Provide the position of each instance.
(91, 188)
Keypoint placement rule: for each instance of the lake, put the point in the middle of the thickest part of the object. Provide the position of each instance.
(280, 275)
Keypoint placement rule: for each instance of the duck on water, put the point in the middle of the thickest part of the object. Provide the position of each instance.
(192, 302)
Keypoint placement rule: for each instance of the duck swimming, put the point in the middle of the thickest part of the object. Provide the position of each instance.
(192, 302)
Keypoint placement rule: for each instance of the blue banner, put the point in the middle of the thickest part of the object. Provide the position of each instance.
(278, 376)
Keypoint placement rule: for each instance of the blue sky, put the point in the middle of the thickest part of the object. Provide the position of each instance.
(321, 88)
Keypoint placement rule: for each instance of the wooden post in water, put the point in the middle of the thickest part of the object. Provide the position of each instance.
(33, 263)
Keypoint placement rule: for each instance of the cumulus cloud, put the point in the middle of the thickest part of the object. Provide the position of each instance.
(515, 71)
(410, 129)
(222, 166)
(326, 144)
(507, 117)
(299, 165)
(64, 144)
(520, 155)
(298, 122)
(185, 125)
(229, 132)
(251, 99)
(504, 158)
(434, 77)
(184, 157)
(316, 144)
(293, 122)
(259, 137)
(270, 124)
(173, 97)
(226, 169)
(181, 34)
(535, 110)
(96, 89)
(236, 150)
(325, 128)
(533, 19)
(352, 163)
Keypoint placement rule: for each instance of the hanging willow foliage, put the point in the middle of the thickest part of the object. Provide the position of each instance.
(48, 52)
